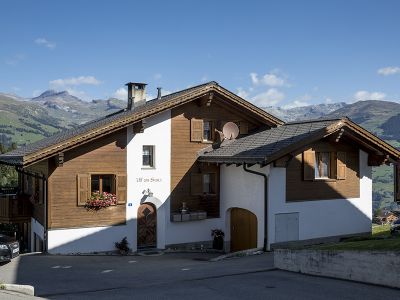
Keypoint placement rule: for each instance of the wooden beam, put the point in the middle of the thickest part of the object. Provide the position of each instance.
(210, 98)
(139, 126)
(60, 159)
(339, 135)
(377, 160)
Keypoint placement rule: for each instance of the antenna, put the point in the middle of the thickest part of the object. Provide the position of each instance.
(230, 130)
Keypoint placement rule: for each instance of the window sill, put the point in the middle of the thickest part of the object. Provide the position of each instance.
(148, 168)
(325, 179)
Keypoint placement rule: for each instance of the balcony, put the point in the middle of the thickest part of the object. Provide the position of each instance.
(14, 207)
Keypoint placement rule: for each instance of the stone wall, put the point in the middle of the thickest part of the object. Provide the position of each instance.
(376, 267)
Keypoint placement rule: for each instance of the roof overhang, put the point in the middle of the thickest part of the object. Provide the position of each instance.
(344, 127)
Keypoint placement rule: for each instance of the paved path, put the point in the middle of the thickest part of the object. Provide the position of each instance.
(176, 276)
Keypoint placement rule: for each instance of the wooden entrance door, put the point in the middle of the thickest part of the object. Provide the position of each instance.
(243, 229)
(147, 226)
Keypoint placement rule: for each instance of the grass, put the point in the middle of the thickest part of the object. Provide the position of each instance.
(380, 239)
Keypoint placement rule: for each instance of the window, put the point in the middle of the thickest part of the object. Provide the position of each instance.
(209, 183)
(148, 156)
(201, 130)
(111, 183)
(102, 183)
(207, 131)
(322, 165)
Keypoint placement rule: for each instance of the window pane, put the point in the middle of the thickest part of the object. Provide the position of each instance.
(95, 183)
(206, 183)
(209, 183)
(322, 165)
(207, 131)
(107, 183)
(148, 156)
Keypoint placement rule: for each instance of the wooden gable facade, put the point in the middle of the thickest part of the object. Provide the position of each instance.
(188, 137)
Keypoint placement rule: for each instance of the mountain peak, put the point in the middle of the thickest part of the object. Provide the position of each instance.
(52, 93)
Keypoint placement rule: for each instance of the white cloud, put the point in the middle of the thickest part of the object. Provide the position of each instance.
(77, 93)
(121, 94)
(270, 79)
(295, 103)
(74, 81)
(389, 71)
(46, 43)
(365, 95)
(242, 93)
(271, 97)
(328, 100)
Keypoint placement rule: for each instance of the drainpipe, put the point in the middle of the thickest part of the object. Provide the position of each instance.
(265, 248)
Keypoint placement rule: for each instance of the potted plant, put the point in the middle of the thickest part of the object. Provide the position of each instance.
(218, 239)
(122, 246)
(99, 200)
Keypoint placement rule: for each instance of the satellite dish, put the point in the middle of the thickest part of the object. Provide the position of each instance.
(230, 130)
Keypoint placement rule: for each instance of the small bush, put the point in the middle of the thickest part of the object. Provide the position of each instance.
(122, 246)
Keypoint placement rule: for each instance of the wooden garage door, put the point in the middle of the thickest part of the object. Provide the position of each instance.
(243, 229)
(147, 226)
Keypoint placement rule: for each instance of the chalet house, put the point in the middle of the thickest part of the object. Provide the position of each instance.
(199, 159)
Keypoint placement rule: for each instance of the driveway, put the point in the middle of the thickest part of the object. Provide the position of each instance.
(173, 276)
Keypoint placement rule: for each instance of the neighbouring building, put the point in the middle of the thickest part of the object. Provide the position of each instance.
(199, 159)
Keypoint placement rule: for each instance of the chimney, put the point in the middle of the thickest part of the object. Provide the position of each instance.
(159, 93)
(136, 94)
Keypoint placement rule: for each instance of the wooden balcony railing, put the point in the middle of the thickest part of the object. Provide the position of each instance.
(14, 207)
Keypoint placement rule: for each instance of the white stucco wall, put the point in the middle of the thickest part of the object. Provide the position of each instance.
(157, 132)
(243, 190)
(37, 228)
(85, 239)
(323, 218)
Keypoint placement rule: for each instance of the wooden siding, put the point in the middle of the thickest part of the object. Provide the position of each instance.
(106, 155)
(298, 189)
(184, 152)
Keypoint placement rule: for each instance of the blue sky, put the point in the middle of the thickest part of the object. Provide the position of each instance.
(284, 53)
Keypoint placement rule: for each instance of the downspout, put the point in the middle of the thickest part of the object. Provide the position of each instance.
(265, 248)
(45, 217)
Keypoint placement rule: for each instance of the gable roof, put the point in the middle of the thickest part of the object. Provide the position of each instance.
(71, 138)
(269, 145)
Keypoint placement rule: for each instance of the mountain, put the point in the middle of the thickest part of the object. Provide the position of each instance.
(305, 112)
(24, 121)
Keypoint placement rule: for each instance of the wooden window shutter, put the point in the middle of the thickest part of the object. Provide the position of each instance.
(397, 181)
(341, 165)
(121, 188)
(83, 182)
(309, 165)
(196, 184)
(196, 130)
(243, 128)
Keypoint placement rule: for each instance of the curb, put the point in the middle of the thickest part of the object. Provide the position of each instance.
(19, 288)
(248, 252)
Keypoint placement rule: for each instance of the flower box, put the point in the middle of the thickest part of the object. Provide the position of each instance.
(99, 201)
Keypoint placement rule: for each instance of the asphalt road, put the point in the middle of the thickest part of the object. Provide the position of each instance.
(176, 276)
